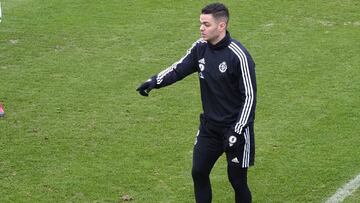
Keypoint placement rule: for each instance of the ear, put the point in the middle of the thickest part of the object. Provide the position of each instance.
(222, 26)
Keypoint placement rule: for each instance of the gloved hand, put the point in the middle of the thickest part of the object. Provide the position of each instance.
(147, 86)
(233, 140)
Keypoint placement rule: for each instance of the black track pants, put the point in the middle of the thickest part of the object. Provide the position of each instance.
(207, 149)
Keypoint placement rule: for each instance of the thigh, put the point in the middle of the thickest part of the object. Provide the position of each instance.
(244, 154)
(207, 149)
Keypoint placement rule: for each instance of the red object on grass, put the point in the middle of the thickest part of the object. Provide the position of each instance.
(2, 112)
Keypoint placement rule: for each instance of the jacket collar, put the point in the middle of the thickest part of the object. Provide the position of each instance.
(223, 43)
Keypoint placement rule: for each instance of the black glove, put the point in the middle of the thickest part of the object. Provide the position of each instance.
(147, 86)
(232, 140)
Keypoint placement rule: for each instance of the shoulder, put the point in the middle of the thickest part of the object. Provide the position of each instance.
(239, 50)
(201, 41)
(197, 45)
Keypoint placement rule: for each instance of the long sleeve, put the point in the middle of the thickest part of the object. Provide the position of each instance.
(247, 84)
(180, 69)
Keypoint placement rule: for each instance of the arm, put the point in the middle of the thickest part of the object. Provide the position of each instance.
(248, 91)
(247, 88)
(177, 71)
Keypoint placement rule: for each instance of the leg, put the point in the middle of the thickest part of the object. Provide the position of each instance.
(206, 151)
(238, 162)
(238, 179)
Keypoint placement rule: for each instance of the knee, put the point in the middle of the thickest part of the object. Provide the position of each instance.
(199, 174)
(238, 183)
(238, 178)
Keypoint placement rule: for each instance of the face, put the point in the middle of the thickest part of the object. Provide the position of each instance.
(211, 30)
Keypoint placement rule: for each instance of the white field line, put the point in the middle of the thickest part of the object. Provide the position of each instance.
(345, 190)
(0, 13)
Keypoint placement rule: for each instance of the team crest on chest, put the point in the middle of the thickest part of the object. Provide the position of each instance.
(223, 67)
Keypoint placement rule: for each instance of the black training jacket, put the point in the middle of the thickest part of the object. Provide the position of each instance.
(227, 81)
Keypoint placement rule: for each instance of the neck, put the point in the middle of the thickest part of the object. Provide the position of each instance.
(218, 39)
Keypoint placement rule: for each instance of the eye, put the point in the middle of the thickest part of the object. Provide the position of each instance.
(206, 24)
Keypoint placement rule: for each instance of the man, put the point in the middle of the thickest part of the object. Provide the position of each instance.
(228, 92)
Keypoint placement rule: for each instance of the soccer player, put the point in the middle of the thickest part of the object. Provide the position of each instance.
(228, 93)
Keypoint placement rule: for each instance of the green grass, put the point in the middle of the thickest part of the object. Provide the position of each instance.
(75, 130)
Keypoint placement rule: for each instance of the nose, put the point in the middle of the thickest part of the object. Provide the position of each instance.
(202, 27)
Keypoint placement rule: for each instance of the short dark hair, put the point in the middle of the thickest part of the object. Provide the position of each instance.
(218, 10)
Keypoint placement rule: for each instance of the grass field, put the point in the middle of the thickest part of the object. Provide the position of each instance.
(75, 129)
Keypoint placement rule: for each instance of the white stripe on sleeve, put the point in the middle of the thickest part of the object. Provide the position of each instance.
(163, 73)
(249, 93)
